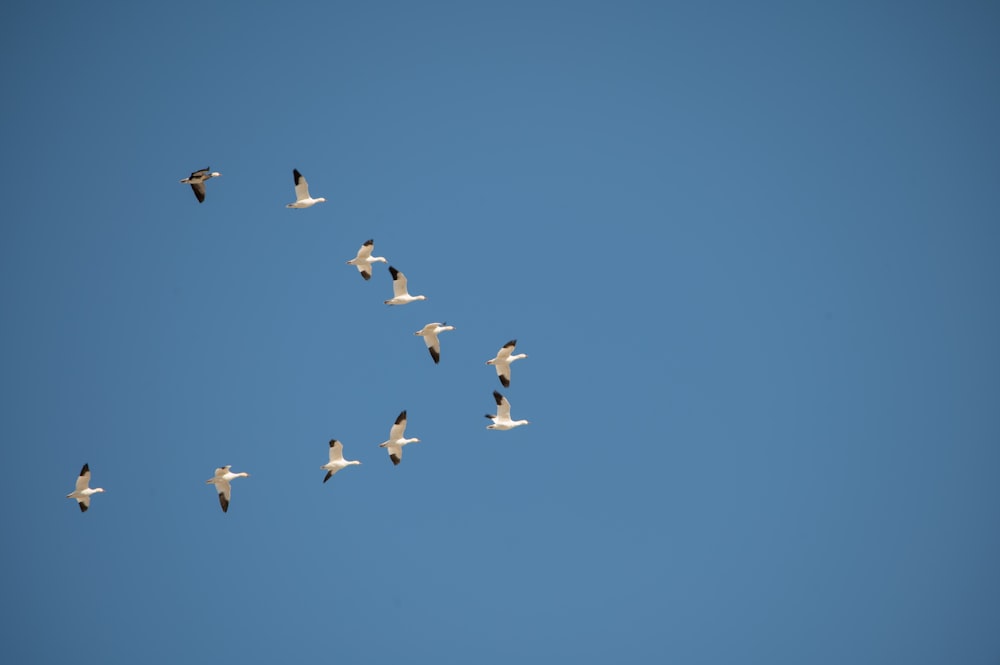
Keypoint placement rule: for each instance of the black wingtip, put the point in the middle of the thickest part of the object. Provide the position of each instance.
(393, 272)
(85, 469)
(296, 175)
(370, 241)
(83, 507)
(491, 417)
(223, 502)
(367, 275)
(329, 474)
(512, 342)
(505, 381)
(395, 459)
(401, 417)
(497, 396)
(435, 355)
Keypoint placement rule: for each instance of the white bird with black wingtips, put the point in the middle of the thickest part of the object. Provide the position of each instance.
(337, 461)
(197, 181)
(503, 360)
(364, 259)
(223, 476)
(400, 295)
(83, 492)
(302, 198)
(501, 420)
(430, 334)
(396, 439)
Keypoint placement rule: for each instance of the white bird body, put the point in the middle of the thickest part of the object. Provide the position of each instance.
(364, 259)
(503, 360)
(400, 296)
(223, 476)
(430, 334)
(337, 461)
(83, 491)
(502, 419)
(396, 439)
(197, 181)
(302, 198)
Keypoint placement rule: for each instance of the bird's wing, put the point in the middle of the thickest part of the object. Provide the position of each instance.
(83, 480)
(503, 406)
(398, 283)
(199, 191)
(433, 345)
(224, 494)
(336, 451)
(301, 186)
(398, 428)
(222, 470)
(507, 349)
(366, 249)
(84, 503)
(503, 371)
(365, 271)
(200, 173)
(395, 454)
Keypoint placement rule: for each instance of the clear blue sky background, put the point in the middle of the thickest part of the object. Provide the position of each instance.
(751, 250)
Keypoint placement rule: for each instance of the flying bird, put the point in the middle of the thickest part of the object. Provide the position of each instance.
(337, 461)
(502, 419)
(223, 476)
(397, 440)
(400, 296)
(430, 334)
(302, 198)
(364, 259)
(197, 181)
(503, 360)
(82, 493)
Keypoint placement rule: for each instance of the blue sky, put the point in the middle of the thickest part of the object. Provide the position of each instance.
(751, 252)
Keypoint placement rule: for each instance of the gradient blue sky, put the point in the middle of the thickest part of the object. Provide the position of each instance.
(750, 248)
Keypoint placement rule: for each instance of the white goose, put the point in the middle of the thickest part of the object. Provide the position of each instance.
(337, 461)
(364, 259)
(82, 493)
(430, 334)
(197, 181)
(503, 360)
(400, 296)
(396, 440)
(302, 198)
(223, 476)
(502, 419)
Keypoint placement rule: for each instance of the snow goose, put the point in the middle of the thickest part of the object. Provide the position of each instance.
(364, 259)
(502, 418)
(503, 360)
(396, 440)
(430, 334)
(197, 181)
(302, 198)
(82, 493)
(223, 476)
(399, 294)
(337, 461)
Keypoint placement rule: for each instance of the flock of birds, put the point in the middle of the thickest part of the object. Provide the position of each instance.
(224, 476)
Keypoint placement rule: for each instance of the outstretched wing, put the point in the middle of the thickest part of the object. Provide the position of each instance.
(398, 428)
(398, 282)
(336, 451)
(503, 406)
(301, 186)
(83, 480)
